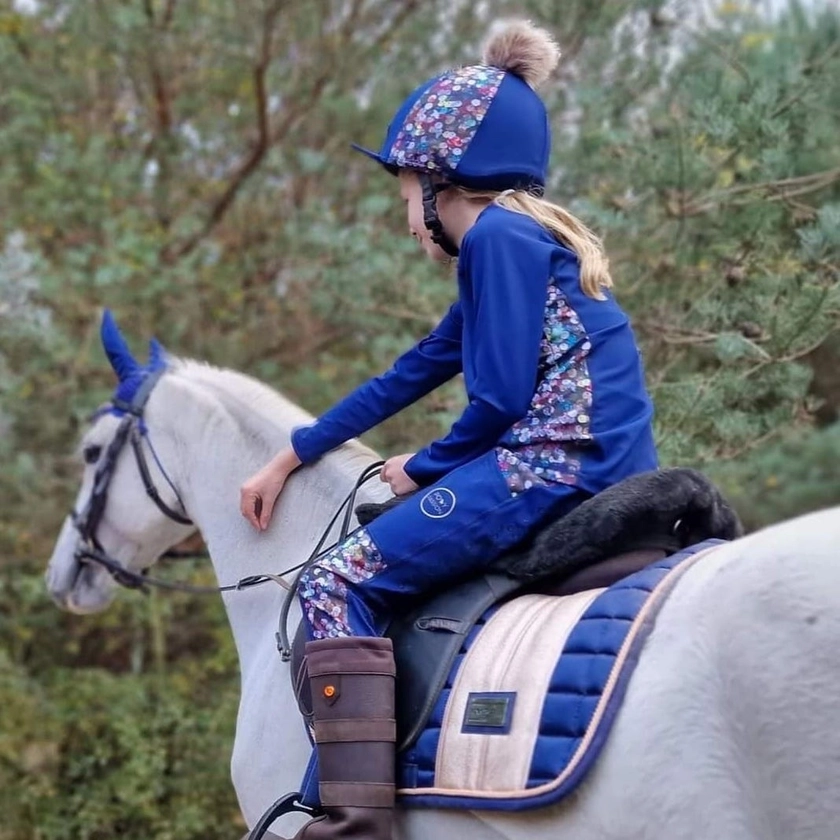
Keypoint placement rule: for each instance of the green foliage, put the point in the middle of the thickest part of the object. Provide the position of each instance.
(117, 725)
(187, 164)
(773, 484)
(87, 755)
(721, 210)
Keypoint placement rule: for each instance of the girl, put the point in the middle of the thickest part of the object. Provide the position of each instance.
(557, 407)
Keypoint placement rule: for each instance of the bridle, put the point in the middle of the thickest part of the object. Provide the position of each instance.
(132, 429)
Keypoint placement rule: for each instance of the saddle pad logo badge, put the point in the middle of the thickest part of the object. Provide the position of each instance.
(489, 713)
(438, 503)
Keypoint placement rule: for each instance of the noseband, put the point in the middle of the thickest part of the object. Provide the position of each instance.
(131, 430)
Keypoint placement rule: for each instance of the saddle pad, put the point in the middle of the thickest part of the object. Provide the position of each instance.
(533, 694)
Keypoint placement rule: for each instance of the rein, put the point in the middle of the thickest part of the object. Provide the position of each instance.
(132, 430)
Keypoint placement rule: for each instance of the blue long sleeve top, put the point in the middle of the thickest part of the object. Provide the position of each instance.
(546, 368)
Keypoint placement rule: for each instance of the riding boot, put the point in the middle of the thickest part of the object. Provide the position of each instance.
(352, 684)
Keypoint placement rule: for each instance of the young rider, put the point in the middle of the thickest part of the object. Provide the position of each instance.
(557, 408)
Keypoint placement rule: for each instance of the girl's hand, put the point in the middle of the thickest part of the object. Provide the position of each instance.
(394, 474)
(259, 493)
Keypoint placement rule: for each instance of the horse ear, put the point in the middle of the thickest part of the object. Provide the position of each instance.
(157, 355)
(116, 348)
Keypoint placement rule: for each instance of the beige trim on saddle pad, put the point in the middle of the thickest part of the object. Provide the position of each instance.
(517, 650)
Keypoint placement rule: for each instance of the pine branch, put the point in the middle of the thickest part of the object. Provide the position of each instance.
(676, 337)
(711, 42)
(779, 190)
(800, 354)
(807, 317)
(737, 452)
(693, 408)
(797, 96)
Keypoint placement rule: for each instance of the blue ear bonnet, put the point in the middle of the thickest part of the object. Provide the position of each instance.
(130, 373)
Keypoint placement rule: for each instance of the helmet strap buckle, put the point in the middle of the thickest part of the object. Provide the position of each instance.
(431, 219)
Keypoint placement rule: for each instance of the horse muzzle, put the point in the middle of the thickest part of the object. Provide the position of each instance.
(76, 585)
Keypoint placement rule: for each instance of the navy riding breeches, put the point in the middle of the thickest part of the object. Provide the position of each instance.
(444, 533)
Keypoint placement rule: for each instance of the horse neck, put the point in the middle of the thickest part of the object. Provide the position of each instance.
(228, 426)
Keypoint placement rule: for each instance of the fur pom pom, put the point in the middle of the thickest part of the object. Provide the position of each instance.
(523, 49)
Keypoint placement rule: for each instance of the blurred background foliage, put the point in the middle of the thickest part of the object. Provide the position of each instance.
(186, 163)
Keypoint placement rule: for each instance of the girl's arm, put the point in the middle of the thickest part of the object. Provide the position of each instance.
(510, 271)
(430, 363)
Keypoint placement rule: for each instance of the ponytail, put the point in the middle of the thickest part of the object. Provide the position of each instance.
(566, 228)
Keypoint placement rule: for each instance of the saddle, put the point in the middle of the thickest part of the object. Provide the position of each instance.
(616, 533)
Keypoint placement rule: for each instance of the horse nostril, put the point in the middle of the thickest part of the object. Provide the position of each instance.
(58, 594)
(59, 598)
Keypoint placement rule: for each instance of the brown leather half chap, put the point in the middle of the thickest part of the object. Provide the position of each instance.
(352, 683)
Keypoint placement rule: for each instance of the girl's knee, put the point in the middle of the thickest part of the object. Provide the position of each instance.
(321, 577)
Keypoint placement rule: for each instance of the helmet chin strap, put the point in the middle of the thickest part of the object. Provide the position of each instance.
(430, 214)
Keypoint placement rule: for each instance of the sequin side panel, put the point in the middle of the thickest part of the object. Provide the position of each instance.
(546, 444)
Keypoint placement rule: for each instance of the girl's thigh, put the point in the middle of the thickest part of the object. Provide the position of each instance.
(456, 528)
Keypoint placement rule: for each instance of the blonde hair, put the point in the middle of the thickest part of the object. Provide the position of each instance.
(566, 228)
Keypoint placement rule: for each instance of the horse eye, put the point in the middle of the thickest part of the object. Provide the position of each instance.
(91, 454)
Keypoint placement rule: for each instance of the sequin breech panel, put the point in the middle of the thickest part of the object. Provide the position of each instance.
(323, 587)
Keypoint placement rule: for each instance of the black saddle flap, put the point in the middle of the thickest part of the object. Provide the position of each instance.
(427, 640)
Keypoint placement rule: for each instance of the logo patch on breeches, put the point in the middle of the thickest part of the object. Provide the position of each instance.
(438, 503)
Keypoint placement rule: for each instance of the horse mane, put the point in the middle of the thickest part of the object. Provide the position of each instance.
(266, 414)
